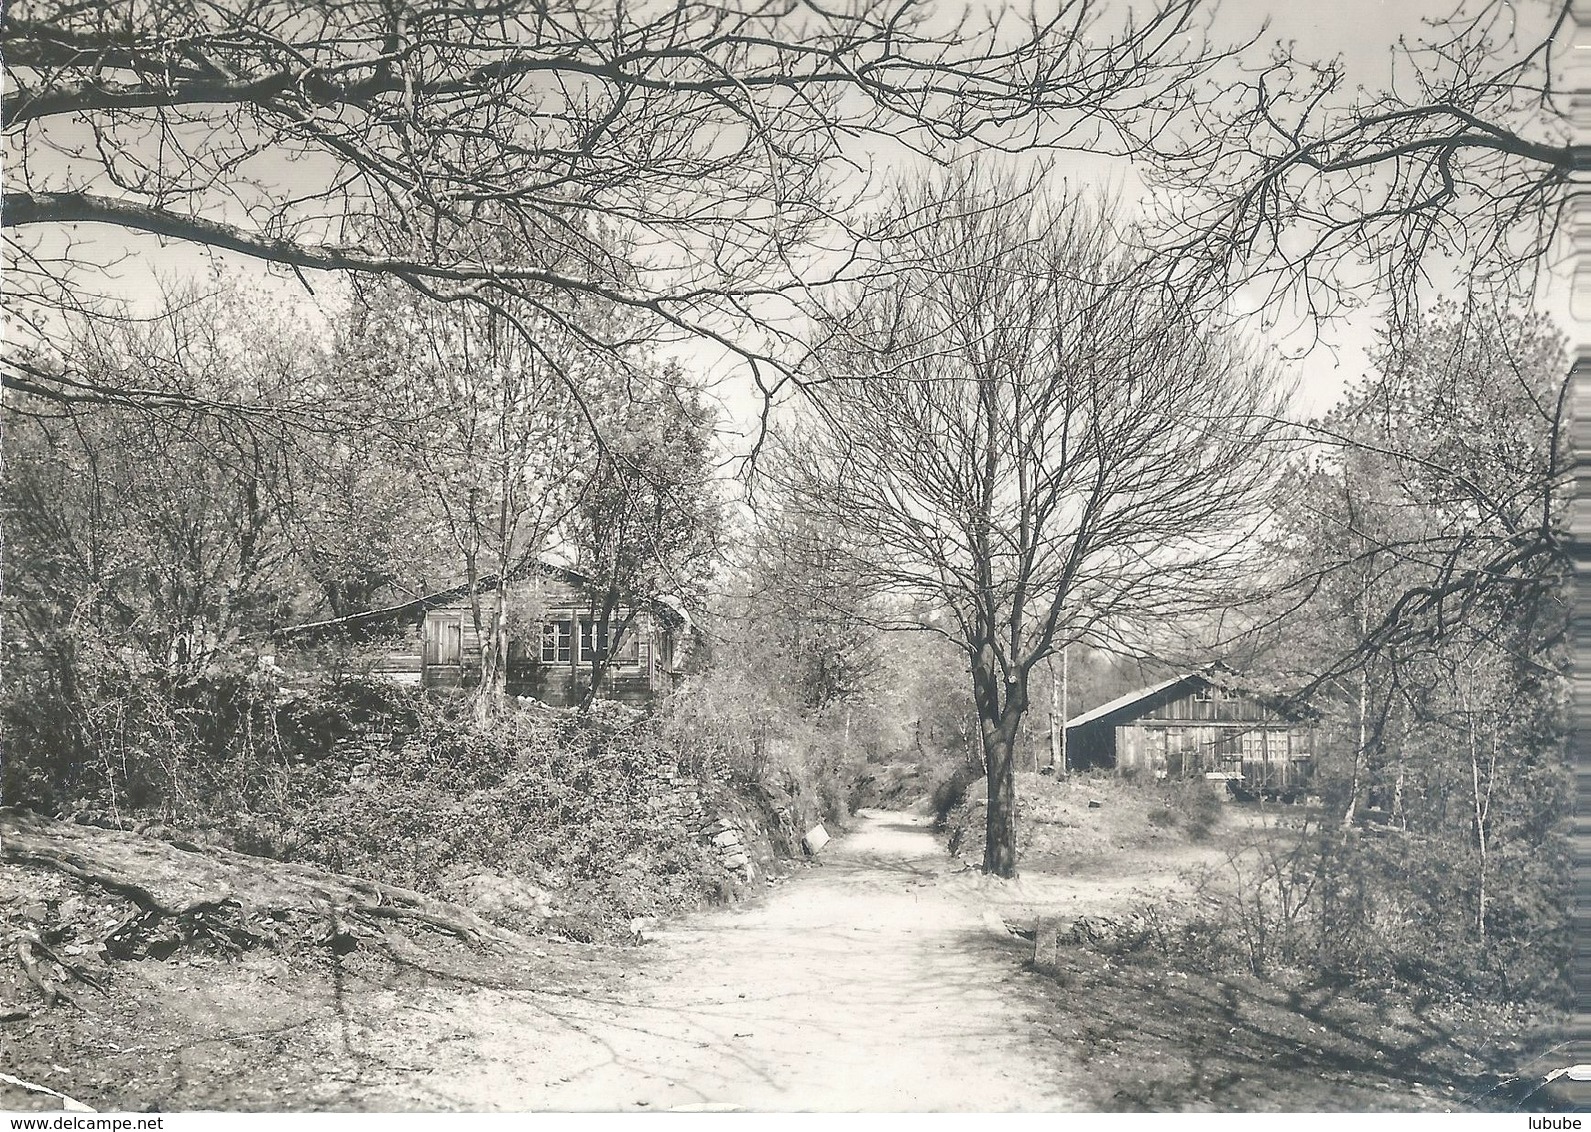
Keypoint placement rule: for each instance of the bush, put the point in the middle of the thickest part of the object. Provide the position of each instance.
(1191, 806)
(950, 793)
(800, 768)
(1380, 909)
(364, 776)
(358, 774)
(561, 800)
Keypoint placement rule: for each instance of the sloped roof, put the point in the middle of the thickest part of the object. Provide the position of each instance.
(1218, 675)
(418, 605)
(1124, 704)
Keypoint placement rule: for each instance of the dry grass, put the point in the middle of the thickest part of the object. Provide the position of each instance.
(1089, 816)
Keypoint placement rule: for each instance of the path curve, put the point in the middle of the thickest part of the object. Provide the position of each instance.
(870, 982)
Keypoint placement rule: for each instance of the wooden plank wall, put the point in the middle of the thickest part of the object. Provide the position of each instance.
(1188, 749)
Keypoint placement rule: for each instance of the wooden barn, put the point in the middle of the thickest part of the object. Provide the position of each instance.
(553, 634)
(1191, 726)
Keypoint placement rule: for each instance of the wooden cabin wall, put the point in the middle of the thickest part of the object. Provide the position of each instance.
(467, 673)
(406, 655)
(1190, 750)
(1186, 737)
(557, 683)
(1220, 707)
(1091, 747)
(402, 662)
(564, 684)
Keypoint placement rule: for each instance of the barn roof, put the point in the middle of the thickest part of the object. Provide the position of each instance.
(415, 606)
(1218, 675)
(1130, 704)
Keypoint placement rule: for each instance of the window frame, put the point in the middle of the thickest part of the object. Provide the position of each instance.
(557, 641)
(588, 638)
(628, 654)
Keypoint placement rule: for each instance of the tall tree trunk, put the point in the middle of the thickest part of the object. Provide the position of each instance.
(1399, 817)
(1361, 743)
(1000, 704)
(494, 668)
(1066, 708)
(1482, 803)
(999, 846)
(602, 625)
(481, 698)
(1057, 723)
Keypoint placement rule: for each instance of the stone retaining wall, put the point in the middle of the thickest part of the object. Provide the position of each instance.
(701, 814)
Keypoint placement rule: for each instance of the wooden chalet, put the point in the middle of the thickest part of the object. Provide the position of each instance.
(552, 637)
(1191, 726)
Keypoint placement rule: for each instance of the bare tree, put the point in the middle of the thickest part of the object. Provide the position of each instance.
(1317, 195)
(370, 137)
(1031, 444)
(1457, 176)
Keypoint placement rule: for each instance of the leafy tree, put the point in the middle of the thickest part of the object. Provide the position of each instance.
(1452, 462)
(1431, 613)
(807, 606)
(475, 410)
(146, 547)
(647, 526)
(357, 525)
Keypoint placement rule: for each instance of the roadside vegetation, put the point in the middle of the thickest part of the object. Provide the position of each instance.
(542, 819)
(1096, 814)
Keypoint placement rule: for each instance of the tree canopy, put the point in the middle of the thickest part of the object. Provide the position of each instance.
(1318, 194)
(406, 139)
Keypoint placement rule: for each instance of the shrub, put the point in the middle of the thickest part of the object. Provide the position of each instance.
(1381, 909)
(950, 793)
(800, 767)
(1191, 806)
(368, 777)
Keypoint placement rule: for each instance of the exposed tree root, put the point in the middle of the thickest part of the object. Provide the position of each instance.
(215, 898)
(30, 967)
(67, 1103)
(420, 916)
(31, 950)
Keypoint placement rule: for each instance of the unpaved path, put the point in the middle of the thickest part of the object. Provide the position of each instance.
(871, 982)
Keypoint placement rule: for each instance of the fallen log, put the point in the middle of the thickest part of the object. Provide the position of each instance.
(218, 896)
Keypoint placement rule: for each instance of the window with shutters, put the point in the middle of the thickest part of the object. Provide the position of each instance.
(443, 639)
(593, 636)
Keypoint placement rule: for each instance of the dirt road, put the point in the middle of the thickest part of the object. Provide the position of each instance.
(871, 982)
